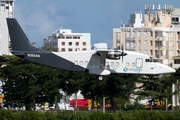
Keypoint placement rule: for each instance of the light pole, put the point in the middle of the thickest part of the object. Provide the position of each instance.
(104, 104)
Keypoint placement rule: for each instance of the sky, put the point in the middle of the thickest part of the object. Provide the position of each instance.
(40, 18)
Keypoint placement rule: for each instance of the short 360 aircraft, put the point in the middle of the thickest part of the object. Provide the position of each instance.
(98, 61)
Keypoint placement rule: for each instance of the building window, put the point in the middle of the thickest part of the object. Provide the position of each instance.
(84, 49)
(70, 49)
(139, 43)
(62, 49)
(10, 3)
(62, 37)
(127, 34)
(145, 41)
(171, 34)
(63, 43)
(151, 43)
(77, 49)
(68, 37)
(70, 43)
(84, 43)
(77, 43)
(151, 52)
(75, 37)
(176, 61)
(145, 51)
(151, 32)
(138, 34)
(171, 53)
(171, 44)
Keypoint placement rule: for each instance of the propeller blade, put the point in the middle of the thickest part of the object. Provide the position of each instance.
(122, 54)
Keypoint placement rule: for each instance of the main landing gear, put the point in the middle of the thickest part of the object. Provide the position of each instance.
(100, 78)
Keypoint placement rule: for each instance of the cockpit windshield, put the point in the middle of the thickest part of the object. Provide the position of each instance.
(151, 59)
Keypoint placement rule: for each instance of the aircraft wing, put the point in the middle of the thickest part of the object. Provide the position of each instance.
(102, 54)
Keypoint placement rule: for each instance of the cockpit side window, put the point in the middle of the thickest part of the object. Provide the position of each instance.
(150, 60)
(147, 60)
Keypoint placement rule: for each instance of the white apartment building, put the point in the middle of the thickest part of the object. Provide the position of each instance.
(158, 36)
(65, 40)
(6, 11)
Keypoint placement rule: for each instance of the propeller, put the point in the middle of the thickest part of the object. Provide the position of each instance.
(122, 51)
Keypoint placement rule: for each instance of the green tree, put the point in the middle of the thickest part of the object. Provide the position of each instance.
(158, 88)
(120, 86)
(28, 83)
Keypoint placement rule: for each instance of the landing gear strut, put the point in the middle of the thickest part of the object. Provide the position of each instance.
(100, 78)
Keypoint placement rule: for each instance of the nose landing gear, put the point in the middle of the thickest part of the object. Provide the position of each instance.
(100, 78)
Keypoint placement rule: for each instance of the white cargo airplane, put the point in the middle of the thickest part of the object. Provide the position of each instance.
(98, 61)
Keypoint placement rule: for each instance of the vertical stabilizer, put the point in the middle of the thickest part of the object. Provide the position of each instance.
(19, 41)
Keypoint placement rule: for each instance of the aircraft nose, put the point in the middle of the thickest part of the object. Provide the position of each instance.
(173, 70)
(168, 69)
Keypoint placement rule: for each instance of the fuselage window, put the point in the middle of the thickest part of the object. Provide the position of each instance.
(86, 63)
(139, 62)
(96, 63)
(91, 63)
(112, 64)
(81, 62)
(76, 62)
(127, 64)
(133, 64)
(117, 64)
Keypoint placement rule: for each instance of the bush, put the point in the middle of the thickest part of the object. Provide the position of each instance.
(135, 106)
(69, 115)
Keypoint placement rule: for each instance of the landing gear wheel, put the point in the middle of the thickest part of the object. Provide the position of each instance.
(100, 78)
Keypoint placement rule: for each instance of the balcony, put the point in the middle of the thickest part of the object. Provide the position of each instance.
(132, 48)
(159, 47)
(130, 38)
(159, 39)
(160, 57)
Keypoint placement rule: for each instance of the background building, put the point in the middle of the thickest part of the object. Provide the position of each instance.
(65, 40)
(158, 36)
(6, 11)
